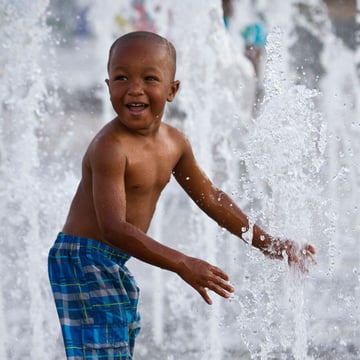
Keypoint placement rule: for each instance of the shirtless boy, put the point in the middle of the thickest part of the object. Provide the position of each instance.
(124, 170)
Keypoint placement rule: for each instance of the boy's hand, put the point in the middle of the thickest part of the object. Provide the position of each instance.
(202, 276)
(295, 255)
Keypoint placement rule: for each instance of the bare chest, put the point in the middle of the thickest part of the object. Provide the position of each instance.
(149, 171)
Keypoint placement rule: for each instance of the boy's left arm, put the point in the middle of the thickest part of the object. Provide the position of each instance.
(221, 208)
(277, 248)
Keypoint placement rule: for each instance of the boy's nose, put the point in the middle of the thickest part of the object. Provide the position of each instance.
(136, 88)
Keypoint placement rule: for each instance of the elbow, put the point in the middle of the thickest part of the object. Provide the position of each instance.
(114, 233)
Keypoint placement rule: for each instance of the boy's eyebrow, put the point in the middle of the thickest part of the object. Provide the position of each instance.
(150, 68)
(145, 69)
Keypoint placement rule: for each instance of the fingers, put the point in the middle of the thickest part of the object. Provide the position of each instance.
(301, 257)
(217, 289)
(309, 248)
(218, 282)
(205, 296)
(218, 272)
(309, 251)
(203, 276)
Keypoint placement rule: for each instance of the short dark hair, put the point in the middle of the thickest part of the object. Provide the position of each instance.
(151, 37)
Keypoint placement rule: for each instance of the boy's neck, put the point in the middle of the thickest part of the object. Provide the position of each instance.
(151, 131)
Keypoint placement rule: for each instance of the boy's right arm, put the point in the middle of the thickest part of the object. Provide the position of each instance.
(221, 208)
(108, 163)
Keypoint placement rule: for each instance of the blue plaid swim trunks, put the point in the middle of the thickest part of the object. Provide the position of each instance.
(96, 299)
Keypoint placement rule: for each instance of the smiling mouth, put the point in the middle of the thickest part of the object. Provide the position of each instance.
(136, 107)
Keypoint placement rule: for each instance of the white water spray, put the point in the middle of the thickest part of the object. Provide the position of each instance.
(276, 166)
(25, 295)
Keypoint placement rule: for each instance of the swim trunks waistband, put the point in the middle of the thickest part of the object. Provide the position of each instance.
(88, 245)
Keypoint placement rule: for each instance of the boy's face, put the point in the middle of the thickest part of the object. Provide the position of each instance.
(140, 82)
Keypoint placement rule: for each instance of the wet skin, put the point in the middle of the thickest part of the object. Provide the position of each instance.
(131, 160)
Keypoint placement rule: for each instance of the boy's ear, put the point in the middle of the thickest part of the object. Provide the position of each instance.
(174, 87)
(107, 82)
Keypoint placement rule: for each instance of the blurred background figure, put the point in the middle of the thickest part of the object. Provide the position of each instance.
(253, 34)
(228, 10)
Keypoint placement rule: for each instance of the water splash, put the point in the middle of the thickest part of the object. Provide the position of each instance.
(286, 168)
(24, 290)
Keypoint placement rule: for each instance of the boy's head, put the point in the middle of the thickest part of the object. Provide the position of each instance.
(141, 69)
(149, 37)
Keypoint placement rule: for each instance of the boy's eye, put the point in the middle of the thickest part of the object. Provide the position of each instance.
(121, 77)
(150, 78)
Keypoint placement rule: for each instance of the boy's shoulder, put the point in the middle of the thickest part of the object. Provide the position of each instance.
(174, 133)
(106, 141)
(112, 139)
(177, 139)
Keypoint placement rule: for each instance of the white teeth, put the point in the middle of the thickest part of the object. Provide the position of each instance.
(137, 105)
